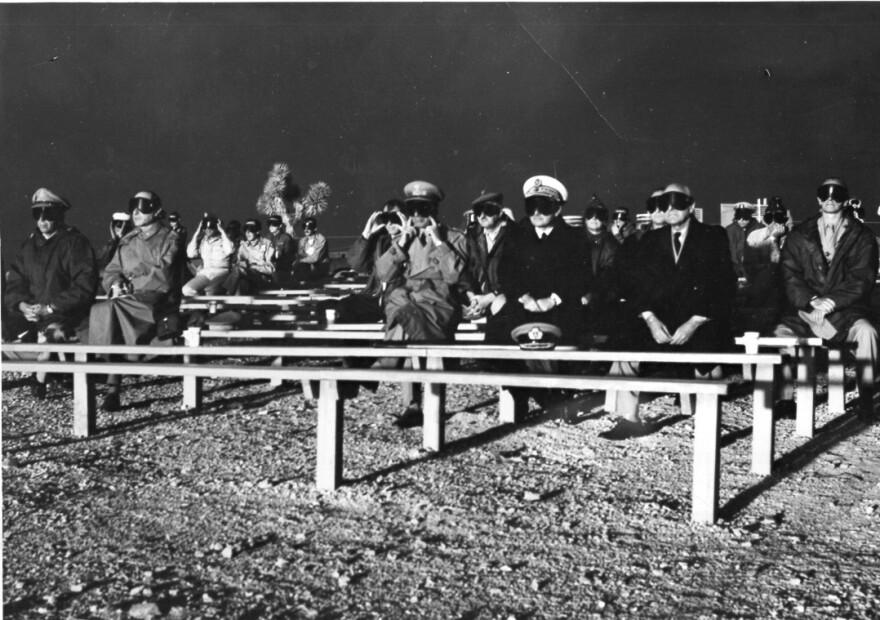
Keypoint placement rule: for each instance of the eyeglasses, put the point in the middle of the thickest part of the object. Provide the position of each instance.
(50, 214)
(600, 213)
(837, 193)
(676, 200)
(780, 217)
(144, 205)
(542, 205)
(489, 209)
(422, 208)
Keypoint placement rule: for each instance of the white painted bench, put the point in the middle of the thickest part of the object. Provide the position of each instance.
(804, 374)
(706, 461)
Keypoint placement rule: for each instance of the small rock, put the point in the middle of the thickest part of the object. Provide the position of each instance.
(144, 610)
(281, 563)
(795, 581)
(343, 581)
(228, 552)
(10, 462)
(136, 591)
(77, 587)
(207, 598)
(531, 496)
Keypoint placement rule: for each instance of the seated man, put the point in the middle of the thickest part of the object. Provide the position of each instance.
(684, 285)
(542, 268)
(486, 243)
(255, 265)
(285, 250)
(142, 284)
(365, 306)
(51, 282)
(312, 254)
(829, 264)
(763, 295)
(212, 244)
(622, 226)
(600, 299)
(427, 263)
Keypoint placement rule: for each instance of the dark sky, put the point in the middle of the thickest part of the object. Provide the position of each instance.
(197, 101)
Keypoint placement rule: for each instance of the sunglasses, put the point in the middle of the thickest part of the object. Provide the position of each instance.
(144, 205)
(834, 192)
(542, 205)
(422, 208)
(779, 217)
(50, 214)
(676, 200)
(489, 209)
(600, 213)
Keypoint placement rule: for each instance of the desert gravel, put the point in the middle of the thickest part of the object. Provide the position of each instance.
(214, 514)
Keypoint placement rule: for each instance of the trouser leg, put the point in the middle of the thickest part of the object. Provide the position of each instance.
(627, 401)
(864, 335)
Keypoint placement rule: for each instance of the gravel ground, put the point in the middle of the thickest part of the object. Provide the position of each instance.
(213, 513)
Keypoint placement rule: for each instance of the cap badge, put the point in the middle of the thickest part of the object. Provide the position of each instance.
(536, 334)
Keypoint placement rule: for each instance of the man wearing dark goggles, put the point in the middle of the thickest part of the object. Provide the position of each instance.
(142, 282)
(50, 283)
(829, 264)
(487, 243)
(744, 224)
(255, 264)
(312, 254)
(686, 288)
(426, 275)
(542, 274)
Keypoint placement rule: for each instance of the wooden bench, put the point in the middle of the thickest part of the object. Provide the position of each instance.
(804, 374)
(706, 442)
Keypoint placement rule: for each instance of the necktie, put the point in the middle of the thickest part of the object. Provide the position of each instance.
(676, 242)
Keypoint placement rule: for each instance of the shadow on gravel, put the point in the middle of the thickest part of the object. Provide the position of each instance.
(62, 601)
(247, 401)
(533, 418)
(831, 434)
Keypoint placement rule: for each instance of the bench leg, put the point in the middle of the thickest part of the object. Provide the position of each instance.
(512, 406)
(85, 408)
(805, 425)
(836, 378)
(751, 347)
(707, 461)
(192, 388)
(610, 401)
(328, 471)
(763, 425)
(433, 407)
(277, 362)
(687, 403)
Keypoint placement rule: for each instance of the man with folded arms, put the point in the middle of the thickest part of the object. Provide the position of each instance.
(684, 286)
(829, 264)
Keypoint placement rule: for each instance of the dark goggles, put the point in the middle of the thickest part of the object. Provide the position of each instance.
(144, 205)
(251, 228)
(542, 205)
(388, 217)
(676, 200)
(742, 214)
(653, 204)
(623, 217)
(600, 213)
(489, 209)
(779, 217)
(309, 226)
(422, 208)
(50, 214)
(837, 193)
(119, 223)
